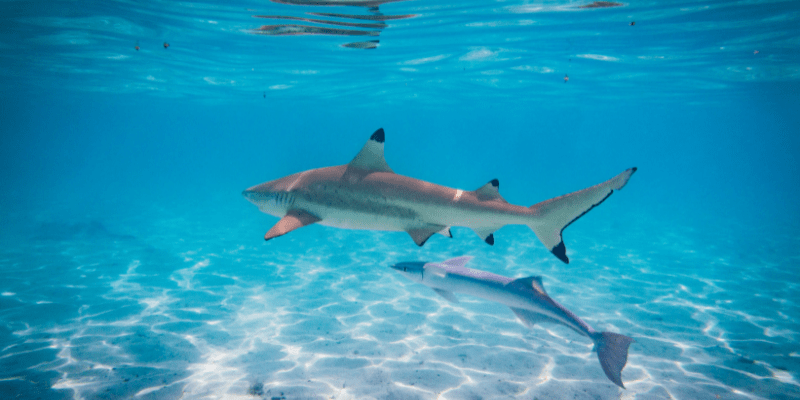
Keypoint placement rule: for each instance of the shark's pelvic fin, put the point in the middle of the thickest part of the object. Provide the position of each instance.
(530, 318)
(369, 159)
(292, 220)
(531, 282)
(421, 235)
(448, 295)
(612, 350)
(555, 215)
(490, 191)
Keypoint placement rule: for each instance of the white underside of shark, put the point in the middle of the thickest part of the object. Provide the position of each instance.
(527, 299)
(367, 194)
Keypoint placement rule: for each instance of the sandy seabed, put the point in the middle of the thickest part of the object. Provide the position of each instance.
(164, 307)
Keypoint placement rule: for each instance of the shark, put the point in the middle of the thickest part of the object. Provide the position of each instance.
(367, 194)
(526, 297)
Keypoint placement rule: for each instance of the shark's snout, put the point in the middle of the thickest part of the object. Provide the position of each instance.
(250, 195)
(257, 193)
(410, 267)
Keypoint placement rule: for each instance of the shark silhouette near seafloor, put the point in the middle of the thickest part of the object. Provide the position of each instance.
(527, 299)
(367, 194)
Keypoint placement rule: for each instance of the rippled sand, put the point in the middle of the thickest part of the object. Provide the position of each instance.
(175, 306)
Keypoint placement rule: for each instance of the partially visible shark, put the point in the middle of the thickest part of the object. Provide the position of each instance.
(527, 299)
(367, 194)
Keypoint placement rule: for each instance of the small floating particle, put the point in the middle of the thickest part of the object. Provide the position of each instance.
(370, 44)
(601, 4)
(755, 52)
(566, 78)
(166, 45)
(137, 48)
(633, 23)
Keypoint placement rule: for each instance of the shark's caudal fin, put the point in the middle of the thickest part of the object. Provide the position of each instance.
(612, 350)
(554, 215)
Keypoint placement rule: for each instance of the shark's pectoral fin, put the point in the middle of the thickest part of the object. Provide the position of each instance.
(292, 220)
(530, 318)
(449, 296)
(421, 235)
(370, 159)
(486, 233)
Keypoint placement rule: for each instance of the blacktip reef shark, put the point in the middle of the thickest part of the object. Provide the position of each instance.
(367, 194)
(527, 299)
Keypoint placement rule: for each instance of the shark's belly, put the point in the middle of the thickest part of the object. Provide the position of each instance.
(351, 207)
(349, 212)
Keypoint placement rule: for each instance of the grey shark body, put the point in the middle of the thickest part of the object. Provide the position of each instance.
(367, 194)
(527, 299)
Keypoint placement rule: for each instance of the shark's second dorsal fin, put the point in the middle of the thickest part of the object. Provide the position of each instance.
(531, 282)
(490, 191)
(370, 158)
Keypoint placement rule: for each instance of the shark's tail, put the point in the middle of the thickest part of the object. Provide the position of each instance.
(612, 350)
(554, 215)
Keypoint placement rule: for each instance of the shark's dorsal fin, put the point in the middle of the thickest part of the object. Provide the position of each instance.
(490, 191)
(292, 220)
(369, 159)
(457, 262)
(531, 282)
(450, 296)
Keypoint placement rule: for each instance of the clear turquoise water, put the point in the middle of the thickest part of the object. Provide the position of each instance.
(132, 267)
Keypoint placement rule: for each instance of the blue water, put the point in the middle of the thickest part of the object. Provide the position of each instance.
(131, 266)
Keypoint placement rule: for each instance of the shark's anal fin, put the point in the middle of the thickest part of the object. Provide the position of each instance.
(530, 318)
(486, 233)
(292, 220)
(422, 234)
(449, 296)
(370, 159)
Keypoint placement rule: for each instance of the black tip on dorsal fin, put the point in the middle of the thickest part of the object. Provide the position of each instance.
(378, 136)
(490, 239)
(495, 183)
(560, 251)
